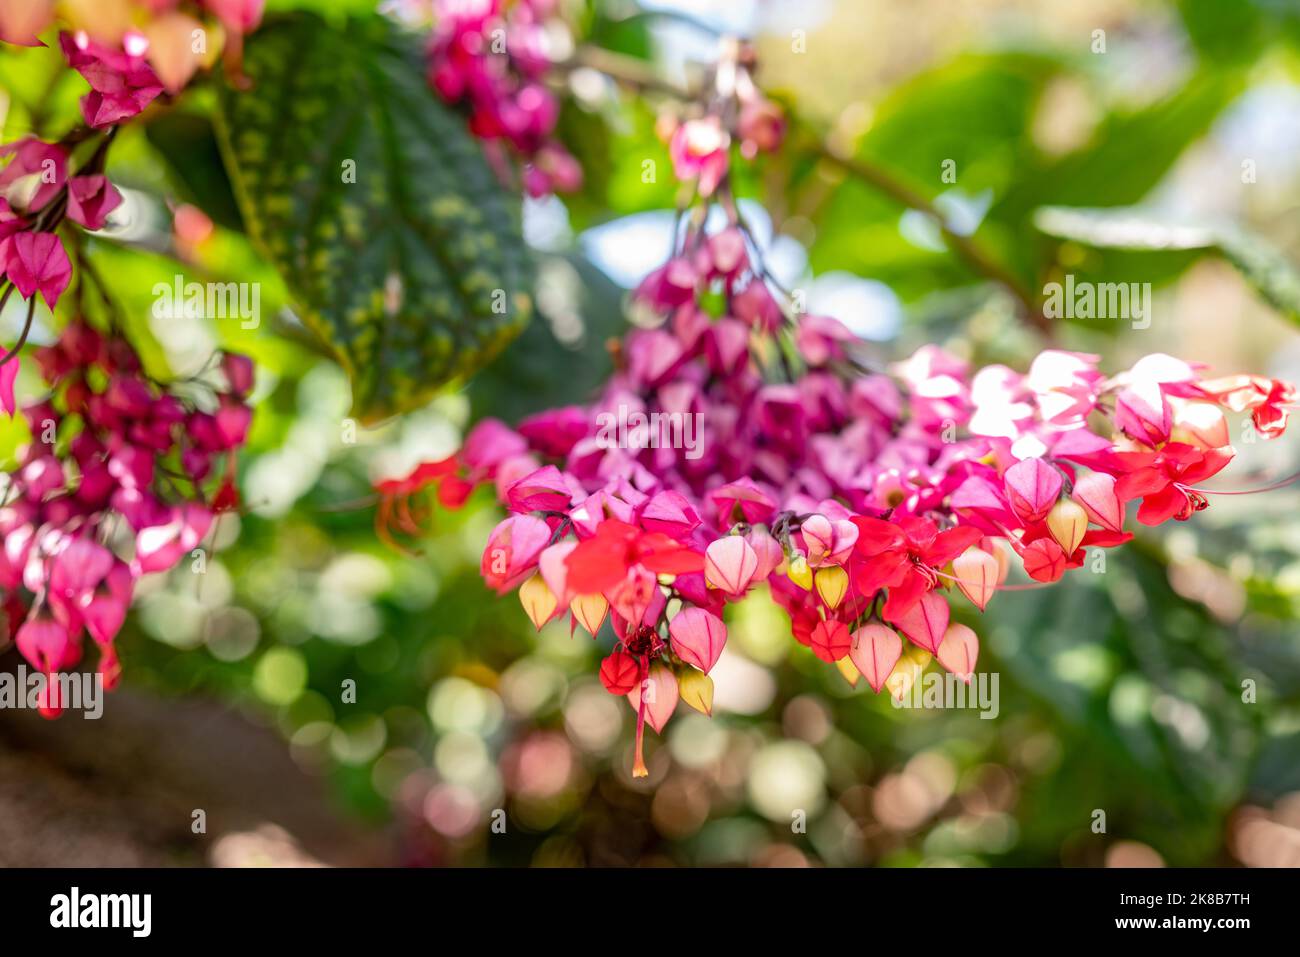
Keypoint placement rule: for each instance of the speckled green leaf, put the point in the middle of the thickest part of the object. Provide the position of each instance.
(415, 273)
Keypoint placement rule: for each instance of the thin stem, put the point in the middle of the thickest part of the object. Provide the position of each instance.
(641, 77)
(27, 328)
(626, 71)
(1281, 483)
(1028, 586)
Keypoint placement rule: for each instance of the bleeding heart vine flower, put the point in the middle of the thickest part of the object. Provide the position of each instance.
(861, 500)
(114, 485)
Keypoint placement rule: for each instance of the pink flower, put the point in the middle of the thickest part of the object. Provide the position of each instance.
(768, 550)
(742, 500)
(875, 650)
(546, 489)
(699, 151)
(670, 513)
(35, 174)
(512, 551)
(38, 262)
(669, 286)
(159, 547)
(238, 370)
(977, 576)
(761, 126)
(91, 199)
(821, 339)
(730, 565)
(654, 699)
(21, 21)
(489, 444)
(121, 81)
(827, 542)
(924, 622)
(1032, 488)
(46, 644)
(8, 374)
(240, 16)
(958, 651)
(79, 568)
(756, 306)
(698, 637)
(1096, 493)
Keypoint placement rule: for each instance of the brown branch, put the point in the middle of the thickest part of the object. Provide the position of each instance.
(963, 246)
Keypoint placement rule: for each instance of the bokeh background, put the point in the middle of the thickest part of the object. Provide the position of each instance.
(1125, 691)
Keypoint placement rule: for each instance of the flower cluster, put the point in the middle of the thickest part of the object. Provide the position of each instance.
(36, 195)
(861, 499)
(117, 480)
(132, 51)
(114, 485)
(736, 112)
(740, 444)
(493, 56)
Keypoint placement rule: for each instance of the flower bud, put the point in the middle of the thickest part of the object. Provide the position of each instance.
(832, 585)
(875, 650)
(977, 575)
(1067, 522)
(730, 565)
(696, 689)
(589, 611)
(959, 651)
(538, 600)
(800, 573)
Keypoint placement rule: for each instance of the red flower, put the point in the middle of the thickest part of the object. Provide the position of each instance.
(1164, 480)
(395, 497)
(902, 556)
(1269, 400)
(603, 561)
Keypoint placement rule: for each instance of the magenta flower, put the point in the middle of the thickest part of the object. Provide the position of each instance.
(37, 262)
(121, 81)
(46, 644)
(699, 152)
(8, 375)
(1096, 493)
(1032, 488)
(34, 175)
(698, 637)
(91, 199)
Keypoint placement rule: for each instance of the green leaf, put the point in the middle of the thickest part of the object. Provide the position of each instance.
(1262, 264)
(542, 370)
(415, 273)
(971, 116)
(189, 144)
